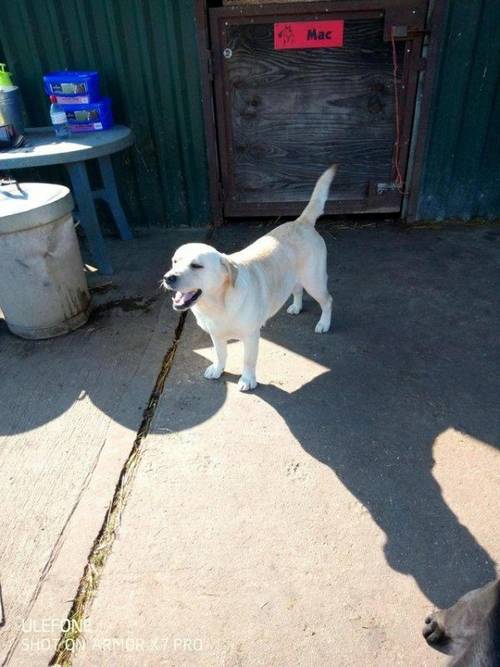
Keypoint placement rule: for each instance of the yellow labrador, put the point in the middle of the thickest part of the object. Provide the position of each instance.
(232, 296)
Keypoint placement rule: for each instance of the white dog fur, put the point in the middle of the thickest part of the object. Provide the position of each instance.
(232, 296)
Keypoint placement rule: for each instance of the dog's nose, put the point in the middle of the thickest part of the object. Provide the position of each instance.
(171, 279)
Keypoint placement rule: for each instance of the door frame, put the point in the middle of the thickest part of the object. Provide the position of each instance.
(394, 14)
(207, 96)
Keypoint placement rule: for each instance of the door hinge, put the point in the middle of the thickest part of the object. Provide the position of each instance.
(408, 32)
(381, 188)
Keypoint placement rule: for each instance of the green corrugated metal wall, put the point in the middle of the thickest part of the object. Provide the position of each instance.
(461, 177)
(146, 53)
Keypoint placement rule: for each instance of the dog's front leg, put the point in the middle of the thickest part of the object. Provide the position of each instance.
(251, 348)
(216, 369)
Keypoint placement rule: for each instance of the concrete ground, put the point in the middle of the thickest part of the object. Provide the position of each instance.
(315, 521)
(69, 411)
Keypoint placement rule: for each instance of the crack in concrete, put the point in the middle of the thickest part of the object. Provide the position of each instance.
(103, 543)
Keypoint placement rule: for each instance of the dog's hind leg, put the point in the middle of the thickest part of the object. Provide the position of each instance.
(216, 369)
(315, 283)
(324, 299)
(296, 306)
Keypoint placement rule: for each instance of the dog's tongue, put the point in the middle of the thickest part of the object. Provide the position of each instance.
(180, 298)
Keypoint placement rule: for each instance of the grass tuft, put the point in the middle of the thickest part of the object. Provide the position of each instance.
(89, 583)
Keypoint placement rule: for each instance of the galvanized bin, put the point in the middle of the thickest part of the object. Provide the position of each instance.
(10, 109)
(43, 291)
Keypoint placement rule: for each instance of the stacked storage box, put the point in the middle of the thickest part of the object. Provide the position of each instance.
(78, 93)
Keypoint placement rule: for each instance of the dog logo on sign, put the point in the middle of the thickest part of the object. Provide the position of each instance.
(286, 35)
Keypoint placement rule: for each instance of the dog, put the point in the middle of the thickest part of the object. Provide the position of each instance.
(470, 630)
(232, 296)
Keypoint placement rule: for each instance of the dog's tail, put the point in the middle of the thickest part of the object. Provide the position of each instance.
(316, 205)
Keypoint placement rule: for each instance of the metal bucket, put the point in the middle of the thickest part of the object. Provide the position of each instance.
(11, 109)
(43, 291)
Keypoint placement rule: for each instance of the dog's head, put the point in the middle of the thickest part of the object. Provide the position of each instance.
(198, 269)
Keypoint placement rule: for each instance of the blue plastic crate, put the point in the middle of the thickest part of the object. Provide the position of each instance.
(89, 117)
(72, 87)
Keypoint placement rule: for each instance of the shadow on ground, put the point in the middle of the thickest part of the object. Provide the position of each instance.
(414, 352)
(43, 379)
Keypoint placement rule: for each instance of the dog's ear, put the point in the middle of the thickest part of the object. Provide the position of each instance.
(231, 268)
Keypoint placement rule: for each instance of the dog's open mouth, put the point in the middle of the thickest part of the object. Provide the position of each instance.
(184, 300)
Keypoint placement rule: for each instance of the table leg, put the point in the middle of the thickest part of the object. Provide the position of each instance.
(110, 194)
(88, 216)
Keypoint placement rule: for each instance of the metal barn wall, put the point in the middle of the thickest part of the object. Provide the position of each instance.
(461, 175)
(146, 53)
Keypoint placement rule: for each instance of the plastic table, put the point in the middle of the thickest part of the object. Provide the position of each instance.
(44, 149)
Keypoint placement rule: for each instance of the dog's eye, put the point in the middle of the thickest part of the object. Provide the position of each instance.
(196, 266)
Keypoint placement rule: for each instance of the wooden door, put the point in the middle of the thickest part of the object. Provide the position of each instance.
(284, 115)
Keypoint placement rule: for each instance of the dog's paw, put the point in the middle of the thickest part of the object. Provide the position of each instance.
(213, 372)
(247, 382)
(432, 630)
(321, 327)
(293, 309)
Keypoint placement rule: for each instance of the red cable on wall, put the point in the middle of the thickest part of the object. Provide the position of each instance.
(399, 178)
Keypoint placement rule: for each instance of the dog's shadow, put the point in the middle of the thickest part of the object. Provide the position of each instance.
(381, 450)
(405, 365)
(373, 419)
